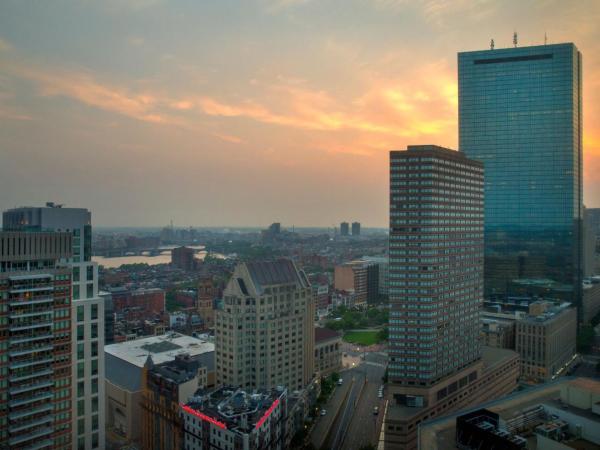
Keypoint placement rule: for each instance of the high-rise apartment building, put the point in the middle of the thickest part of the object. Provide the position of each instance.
(436, 361)
(87, 315)
(520, 115)
(35, 340)
(344, 228)
(355, 228)
(264, 333)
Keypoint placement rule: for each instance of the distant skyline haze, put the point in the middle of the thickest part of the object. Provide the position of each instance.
(242, 113)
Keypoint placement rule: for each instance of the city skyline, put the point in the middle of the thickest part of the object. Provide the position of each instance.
(249, 104)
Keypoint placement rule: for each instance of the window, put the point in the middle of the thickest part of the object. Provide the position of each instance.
(80, 313)
(94, 367)
(95, 422)
(81, 443)
(80, 389)
(94, 385)
(80, 407)
(94, 330)
(80, 332)
(90, 290)
(75, 274)
(80, 369)
(81, 426)
(94, 312)
(94, 404)
(80, 351)
(89, 275)
(75, 292)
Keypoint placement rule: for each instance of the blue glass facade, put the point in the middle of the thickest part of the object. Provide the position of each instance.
(520, 114)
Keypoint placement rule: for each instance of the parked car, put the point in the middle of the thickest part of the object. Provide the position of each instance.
(340, 381)
(323, 412)
(376, 410)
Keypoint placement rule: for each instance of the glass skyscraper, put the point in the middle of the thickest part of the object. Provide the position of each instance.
(520, 114)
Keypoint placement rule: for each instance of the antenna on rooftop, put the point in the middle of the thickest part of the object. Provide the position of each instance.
(545, 38)
(492, 44)
(515, 38)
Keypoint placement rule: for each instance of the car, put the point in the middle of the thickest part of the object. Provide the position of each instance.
(376, 410)
(323, 412)
(340, 381)
(380, 394)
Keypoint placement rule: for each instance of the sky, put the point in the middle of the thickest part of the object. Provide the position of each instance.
(247, 112)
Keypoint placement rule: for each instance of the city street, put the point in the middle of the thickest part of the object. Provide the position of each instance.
(350, 422)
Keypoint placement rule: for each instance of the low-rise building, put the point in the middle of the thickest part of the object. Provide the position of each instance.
(328, 351)
(383, 264)
(360, 277)
(231, 418)
(560, 415)
(498, 333)
(591, 300)
(165, 387)
(139, 304)
(124, 378)
(183, 258)
(546, 339)
(494, 376)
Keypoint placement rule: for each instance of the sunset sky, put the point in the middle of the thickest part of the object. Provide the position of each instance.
(242, 113)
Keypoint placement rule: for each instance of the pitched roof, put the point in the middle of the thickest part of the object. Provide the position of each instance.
(281, 271)
(325, 334)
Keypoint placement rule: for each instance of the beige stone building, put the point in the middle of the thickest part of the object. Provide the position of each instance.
(328, 351)
(546, 339)
(264, 334)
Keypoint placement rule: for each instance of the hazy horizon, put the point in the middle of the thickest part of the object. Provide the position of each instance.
(248, 112)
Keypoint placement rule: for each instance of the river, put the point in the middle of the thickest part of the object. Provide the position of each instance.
(163, 258)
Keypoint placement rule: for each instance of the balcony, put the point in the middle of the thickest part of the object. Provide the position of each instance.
(31, 436)
(31, 411)
(45, 371)
(27, 315)
(33, 301)
(30, 387)
(23, 339)
(31, 289)
(46, 443)
(29, 363)
(32, 423)
(30, 350)
(31, 399)
(31, 326)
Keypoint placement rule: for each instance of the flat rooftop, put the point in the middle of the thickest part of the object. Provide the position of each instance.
(162, 348)
(235, 408)
(440, 434)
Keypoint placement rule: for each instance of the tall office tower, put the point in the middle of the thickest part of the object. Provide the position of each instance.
(264, 334)
(436, 362)
(589, 244)
(35, 340)
(355, 228)
(87, 315)
(436, 264)
(520, 114)
(344, 228)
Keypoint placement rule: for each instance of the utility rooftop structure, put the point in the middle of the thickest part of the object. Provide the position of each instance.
(162, 349)
(233, 418)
